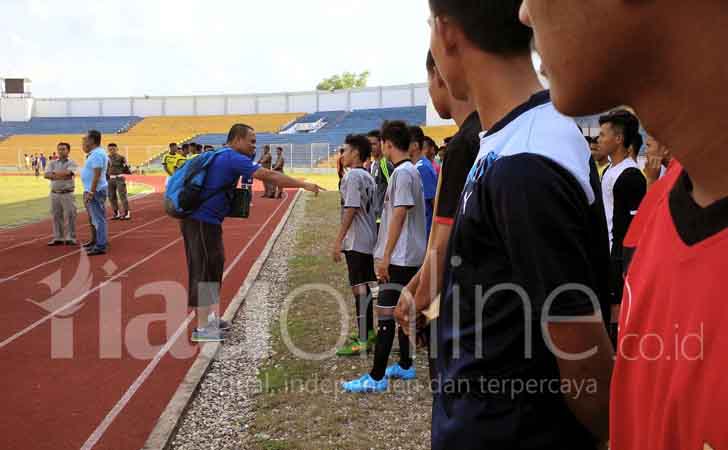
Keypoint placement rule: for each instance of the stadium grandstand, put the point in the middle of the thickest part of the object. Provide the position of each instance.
(143, 127)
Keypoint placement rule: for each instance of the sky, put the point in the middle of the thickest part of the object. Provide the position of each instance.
(122, 48)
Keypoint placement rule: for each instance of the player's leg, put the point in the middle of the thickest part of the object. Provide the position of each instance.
(57, 216)
(113, 199)
(69, 218)
(124, 197)
(359, 278)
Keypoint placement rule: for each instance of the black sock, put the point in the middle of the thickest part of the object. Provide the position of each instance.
(370, 311)
(385, 339)
(364, 324)
(405, 360)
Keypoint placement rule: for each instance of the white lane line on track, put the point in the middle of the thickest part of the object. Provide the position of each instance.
(76, 252)
(142, 378)
(104, 425)
(48, 236)
(80, 298)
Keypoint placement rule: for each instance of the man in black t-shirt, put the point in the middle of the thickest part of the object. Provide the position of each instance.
(461, 153)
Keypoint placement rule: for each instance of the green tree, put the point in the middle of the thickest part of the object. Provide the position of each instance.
(346, 80)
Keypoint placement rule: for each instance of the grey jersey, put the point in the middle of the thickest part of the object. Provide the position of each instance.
(357, 191)
(405, 189)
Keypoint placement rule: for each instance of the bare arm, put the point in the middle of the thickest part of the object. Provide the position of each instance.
(285, 181)
(346, 222)
(590, 406)
(395, 228)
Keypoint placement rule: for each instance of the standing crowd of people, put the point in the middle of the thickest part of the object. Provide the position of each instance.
(103, 176)
(567, 296)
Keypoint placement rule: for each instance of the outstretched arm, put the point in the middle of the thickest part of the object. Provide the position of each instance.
(284, 181)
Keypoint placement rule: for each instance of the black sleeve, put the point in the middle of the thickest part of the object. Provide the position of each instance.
(629, 190)
(460, 157)
(543, 217)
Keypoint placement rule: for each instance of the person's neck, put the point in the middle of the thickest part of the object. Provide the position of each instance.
(416, 156)
(602, 162)
(460, 111)
(618, 156)
(398, 156)
(356, 165)
(681, 105)
(498, 85)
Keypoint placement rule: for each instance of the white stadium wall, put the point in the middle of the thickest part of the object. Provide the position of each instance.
(116, 107)
(15, 109)
(179, 106)
(85, 108)
(51, 108)
(241, 105)
(290, 102)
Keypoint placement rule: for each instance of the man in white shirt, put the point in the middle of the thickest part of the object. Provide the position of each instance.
(623, 188)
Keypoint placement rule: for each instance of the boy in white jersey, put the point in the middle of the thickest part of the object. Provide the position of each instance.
(399, 253)
(357, 237)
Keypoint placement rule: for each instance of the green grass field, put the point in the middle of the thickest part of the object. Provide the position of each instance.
(25, 200)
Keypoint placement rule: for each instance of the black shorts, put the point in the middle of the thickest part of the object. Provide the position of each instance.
(399, 278)
(361, 268)
(205, 261)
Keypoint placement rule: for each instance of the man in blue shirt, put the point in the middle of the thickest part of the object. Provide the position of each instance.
(93, 177)
(427, 174)
(202, 231)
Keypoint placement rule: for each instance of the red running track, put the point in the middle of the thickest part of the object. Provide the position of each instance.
(87, 348)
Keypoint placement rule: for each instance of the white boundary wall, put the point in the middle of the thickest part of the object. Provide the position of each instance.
(287, 102)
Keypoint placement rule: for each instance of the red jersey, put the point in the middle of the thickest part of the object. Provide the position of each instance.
(668, 389)
(657, 192)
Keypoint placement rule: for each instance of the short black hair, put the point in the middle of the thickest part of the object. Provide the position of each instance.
(448, 139)
(94, 136)
(209, 147)
(624, 123)
(279, 148)
(397, 133)
(361, 144)
(185, 146)
(417, 135)
(637, 143)
(173, 144)
(64, 144)
(238, 130)
(113, 145)
(492, 25)
(429, 140)
(430, 64)
(375, 134)
(198, 147)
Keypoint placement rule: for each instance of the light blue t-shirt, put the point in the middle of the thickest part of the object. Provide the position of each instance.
(429, 188)
(97, 159)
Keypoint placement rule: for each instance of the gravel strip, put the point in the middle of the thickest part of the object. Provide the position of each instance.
(223, 406)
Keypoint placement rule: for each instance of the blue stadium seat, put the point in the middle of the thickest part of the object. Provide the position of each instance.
(68, 125)
(339, 125)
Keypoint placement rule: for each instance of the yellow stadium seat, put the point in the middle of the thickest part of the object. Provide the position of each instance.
(146, 140)
(440, 133)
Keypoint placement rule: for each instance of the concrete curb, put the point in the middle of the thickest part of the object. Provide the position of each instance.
(166, 426)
